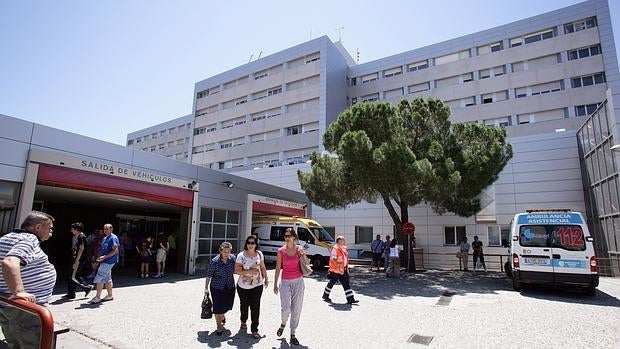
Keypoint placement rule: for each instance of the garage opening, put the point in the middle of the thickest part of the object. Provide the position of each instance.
(136, 210)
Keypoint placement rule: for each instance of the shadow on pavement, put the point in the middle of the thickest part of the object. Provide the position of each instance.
(430, 283)
(569, 295)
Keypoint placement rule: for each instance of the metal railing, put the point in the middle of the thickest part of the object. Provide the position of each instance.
(48, 336)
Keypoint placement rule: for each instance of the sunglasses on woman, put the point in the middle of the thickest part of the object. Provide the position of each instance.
(251, 242)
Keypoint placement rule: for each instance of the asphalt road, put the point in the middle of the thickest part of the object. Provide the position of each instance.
(434, 309)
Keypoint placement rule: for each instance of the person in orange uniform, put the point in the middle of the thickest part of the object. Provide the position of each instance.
(339, 271)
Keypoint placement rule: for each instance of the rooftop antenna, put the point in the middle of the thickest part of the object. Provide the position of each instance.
(339, 30)
(250, 60)
(261, 52)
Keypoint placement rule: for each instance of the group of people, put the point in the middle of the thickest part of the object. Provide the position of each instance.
(146, 255)
(27, 273)
(388, 252)
(288, 282)
(463, 253)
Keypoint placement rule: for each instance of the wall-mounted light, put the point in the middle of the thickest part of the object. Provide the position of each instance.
(228, 184)
(615, 148)
(191, 185)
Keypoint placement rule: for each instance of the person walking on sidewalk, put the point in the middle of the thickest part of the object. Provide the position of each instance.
(250, 265)
(107, 259)
(376, 246)
(292, 295)
(221, 284)
(478, 253)
(79, 262)
(339, 271)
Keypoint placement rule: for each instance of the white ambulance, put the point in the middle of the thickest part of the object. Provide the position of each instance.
(554, 247)
(315, 240)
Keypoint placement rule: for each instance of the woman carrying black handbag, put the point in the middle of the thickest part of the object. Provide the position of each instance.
(220, 283)
(207, 308)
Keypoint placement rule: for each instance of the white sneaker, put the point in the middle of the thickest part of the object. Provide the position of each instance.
(94, 300)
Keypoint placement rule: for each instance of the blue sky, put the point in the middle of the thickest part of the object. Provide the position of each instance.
(107, 68)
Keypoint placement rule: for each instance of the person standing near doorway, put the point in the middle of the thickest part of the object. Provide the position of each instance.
(107, 259)
(160, 257)
(79, 262)
(394, 268)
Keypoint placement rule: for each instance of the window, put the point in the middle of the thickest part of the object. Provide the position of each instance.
(313, 58)
(530, 38)
(130, 142)
(275, 91)
(567, 237)
(370, 98)
(580, 25)
(485, 73)
(363, 235)
(417, 66)
(588, 80)
(452, 57)
(392, 72)
(241, 101)
(487, 98)
(261, 74)
(258, 117)
(370, 77)
(138, 140)
(453, 235)
(353, 100)
(293, 130)
(162, 146)
(483, 50)
(541, 89)
(353, 81)
(583, 110)
(225, 145)
(393, 93)
(467, 77)
(584, 52)
(425, 86)
(201, 94)
(199, 131)
(449, 81)
(153, 148)
(503, 121)
(498, 236)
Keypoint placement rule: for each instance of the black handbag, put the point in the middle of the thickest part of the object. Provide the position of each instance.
(207, 308)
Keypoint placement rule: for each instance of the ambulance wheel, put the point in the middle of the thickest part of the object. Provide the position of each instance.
(318, 263)
(516, 285)
(590, 291)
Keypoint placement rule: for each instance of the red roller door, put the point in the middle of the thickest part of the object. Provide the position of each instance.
(76, 179)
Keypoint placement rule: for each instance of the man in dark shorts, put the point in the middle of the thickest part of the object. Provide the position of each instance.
(478, 253)
(376, 246)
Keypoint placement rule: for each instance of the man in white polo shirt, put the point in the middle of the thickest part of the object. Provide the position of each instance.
(26, 274)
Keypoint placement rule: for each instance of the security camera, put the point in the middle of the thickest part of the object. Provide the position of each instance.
(228, 184)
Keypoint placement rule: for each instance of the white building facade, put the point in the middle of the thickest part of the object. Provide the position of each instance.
(539, 77)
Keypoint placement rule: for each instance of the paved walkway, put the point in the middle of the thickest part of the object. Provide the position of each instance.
(445, 309)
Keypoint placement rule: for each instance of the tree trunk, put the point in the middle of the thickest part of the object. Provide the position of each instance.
(404, 216)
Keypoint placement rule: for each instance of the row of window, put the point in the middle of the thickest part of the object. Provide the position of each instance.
(480, 50)
(260, 137)
(169, 144)
(453, 235)
(292, 157)
(260, 74)
(520, 92)
(156, 135)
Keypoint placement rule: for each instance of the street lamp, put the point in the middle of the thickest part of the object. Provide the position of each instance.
(615, 148)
